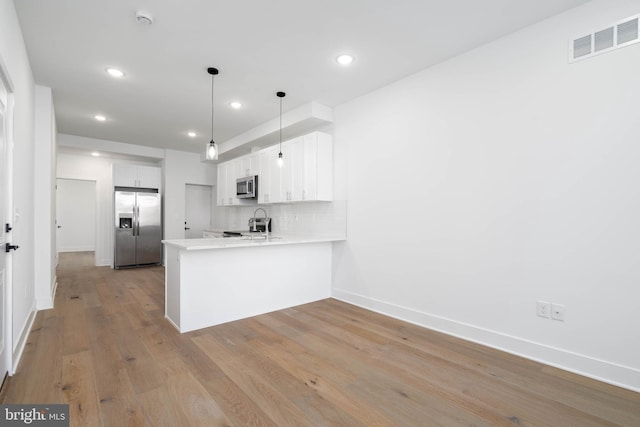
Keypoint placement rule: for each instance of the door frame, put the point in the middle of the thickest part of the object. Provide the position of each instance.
(5, 81)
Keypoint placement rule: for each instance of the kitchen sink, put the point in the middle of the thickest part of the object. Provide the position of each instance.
(260, 238)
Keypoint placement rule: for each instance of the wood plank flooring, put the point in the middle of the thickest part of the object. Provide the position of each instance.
(107, 350)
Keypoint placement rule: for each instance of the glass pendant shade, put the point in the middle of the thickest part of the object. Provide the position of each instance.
(212, 151)
(280, 160)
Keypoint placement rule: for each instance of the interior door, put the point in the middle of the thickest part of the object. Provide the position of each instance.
(75, 215)
(197, 210)
(5, 207)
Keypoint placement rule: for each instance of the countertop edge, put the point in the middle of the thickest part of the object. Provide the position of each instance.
(224, 243)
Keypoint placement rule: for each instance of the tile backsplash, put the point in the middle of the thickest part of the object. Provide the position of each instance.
(311, 218)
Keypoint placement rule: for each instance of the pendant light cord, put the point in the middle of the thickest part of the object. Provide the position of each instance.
(281, 124)
(212, 78)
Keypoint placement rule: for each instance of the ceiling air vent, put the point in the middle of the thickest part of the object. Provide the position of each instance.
(620, 34)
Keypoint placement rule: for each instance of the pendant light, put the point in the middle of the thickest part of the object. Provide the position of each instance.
(280, 159)
(211, 151)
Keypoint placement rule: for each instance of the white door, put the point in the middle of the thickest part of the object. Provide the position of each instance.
(76, 215)
(5, 207)
(197, 210)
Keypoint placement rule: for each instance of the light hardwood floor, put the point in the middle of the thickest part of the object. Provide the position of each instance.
(107, 351)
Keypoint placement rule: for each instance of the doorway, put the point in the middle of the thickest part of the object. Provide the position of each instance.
(75, 215)
(197, 210)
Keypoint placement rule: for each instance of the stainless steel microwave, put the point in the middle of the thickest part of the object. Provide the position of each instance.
(247, 187)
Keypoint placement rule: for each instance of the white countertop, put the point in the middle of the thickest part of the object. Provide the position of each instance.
(239, 242)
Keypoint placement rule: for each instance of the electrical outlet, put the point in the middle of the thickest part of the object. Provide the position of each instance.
(557, 312)
(543, 308)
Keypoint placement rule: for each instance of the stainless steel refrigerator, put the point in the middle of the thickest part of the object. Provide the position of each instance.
(138, 228)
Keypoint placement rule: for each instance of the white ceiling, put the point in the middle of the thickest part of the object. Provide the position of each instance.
(259, 46)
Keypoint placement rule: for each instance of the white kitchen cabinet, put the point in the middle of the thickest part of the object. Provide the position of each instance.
(307, 174)
(229, 172)
(222, 183)
(227, 183)
(318, 167)
(149, 177)
(249, 165)
(292, 174)
(234, 171)
(270, 188)
(267, 163)
(127, 175)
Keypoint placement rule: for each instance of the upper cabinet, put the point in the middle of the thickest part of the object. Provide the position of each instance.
(227, 174)
(318, 167)
(292, 171)
(306, 175)
(222, 184)
(128, 175)
(268, 176)
(249, 165)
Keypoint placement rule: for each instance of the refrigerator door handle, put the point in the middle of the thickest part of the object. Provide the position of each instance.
(136, 220)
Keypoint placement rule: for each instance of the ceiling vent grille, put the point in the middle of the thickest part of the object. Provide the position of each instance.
(620, 34)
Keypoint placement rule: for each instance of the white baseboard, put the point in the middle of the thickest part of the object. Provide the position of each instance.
(47, 303)
(54, 288)
(601, 370)
(22, 341)
(172, 324)
(78, 249)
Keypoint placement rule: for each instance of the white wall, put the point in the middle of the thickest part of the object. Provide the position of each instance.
(181, 168)
(44, 202)
(502, 177)
(13, 58)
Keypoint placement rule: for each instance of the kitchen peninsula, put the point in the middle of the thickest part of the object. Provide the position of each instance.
(214, 281)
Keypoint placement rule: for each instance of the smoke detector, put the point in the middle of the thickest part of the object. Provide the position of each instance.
(144, 17)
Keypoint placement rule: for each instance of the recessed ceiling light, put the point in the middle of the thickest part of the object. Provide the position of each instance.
(235, 105)
(192, 134)
(95, 154)
(344, 59)
(100, 117)
(114, 72)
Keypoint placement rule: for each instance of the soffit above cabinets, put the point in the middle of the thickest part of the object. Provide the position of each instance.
(302, 120)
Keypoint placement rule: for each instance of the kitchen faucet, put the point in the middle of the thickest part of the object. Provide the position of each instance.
(266, 217)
